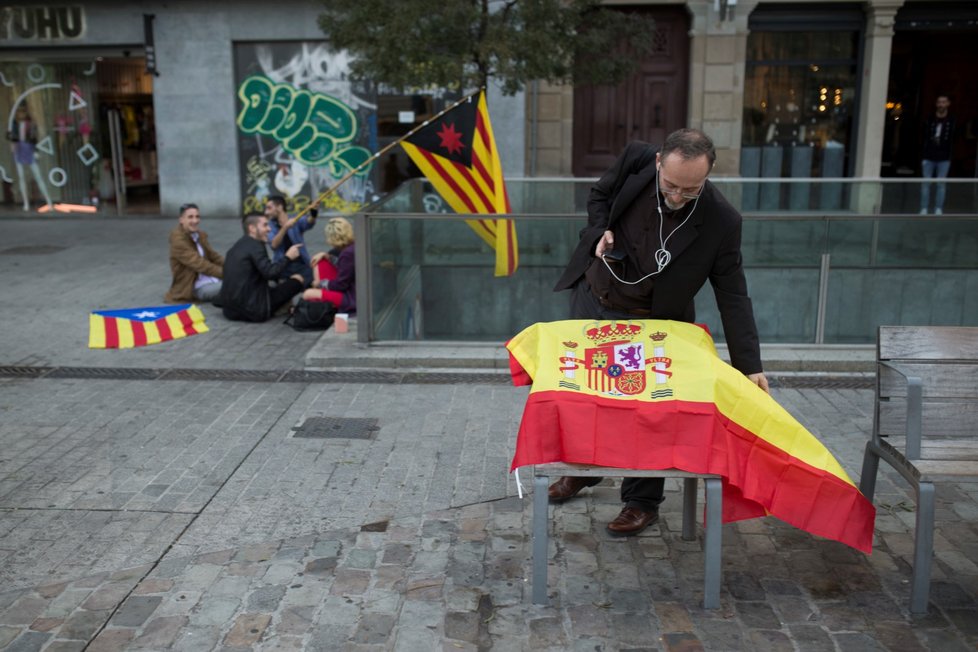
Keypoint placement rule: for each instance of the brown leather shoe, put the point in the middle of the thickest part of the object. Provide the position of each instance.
(631, 521)
(566, 488)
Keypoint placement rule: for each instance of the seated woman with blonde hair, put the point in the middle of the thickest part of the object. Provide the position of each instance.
(333, 272)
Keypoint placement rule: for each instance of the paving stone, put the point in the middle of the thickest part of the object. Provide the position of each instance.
(267, 598)
(65, 646)
(757, 615)
(811, 637)
(247, 630)
(112, 640)
(374, 628)
(856, 642)
(160, 632)
(135, 611)
(29, 642)
(546, 633)
(82, 624)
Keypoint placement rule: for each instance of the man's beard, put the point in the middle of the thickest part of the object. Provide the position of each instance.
(672, 205)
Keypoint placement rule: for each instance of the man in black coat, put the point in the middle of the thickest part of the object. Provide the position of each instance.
(245, 294)
(657, 231)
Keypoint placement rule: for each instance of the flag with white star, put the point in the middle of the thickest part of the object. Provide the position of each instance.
(132, 327)
(457, 153)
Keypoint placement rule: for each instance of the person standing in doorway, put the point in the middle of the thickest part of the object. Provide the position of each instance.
(938, 134)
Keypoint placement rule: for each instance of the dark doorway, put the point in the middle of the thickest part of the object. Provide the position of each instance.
(930, 58)
(647, 106)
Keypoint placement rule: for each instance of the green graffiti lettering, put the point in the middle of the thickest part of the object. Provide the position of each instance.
(281, 99)
(254, 93)
(312, 127)
(347, 160)
(318, 151)
(296, 116)
(333, 118)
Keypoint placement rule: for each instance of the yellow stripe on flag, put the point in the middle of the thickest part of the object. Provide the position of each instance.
(96, 331)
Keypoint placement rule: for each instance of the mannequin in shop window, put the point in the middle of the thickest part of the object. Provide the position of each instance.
(23, 141)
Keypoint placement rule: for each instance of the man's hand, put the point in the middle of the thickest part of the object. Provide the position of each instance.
(760, 380)
(293, 252)
(606, 243)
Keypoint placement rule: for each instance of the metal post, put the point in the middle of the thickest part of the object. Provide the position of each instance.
(689, 509)
(118, 161)
(540, 540)
(714, 507)
(361, 236)
(823, 296)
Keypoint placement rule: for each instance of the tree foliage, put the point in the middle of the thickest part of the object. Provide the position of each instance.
(463, 43)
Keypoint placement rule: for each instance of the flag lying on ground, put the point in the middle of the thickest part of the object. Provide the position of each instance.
(125, 329)
(457, 153)
(654, 394)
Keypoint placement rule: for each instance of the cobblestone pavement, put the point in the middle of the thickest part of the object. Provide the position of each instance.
(200, 514)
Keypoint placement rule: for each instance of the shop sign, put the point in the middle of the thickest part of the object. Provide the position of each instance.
(42, 23)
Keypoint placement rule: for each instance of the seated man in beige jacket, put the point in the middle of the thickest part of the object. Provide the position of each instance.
(197, 268)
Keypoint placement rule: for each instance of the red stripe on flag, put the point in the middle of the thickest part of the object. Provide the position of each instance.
(510, 249)
(478, 166)
(188, 323)
(138, 333)
(465, 172)
(559, 426)
(481, 127)
(164, 328)
(443, 174)
(111, 333)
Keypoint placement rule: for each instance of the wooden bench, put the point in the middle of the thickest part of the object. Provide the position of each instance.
(925, 423)
(714, 506)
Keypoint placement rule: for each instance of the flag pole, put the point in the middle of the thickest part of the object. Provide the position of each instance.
(382, 151)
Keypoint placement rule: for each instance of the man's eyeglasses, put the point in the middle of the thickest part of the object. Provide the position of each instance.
(686, 193)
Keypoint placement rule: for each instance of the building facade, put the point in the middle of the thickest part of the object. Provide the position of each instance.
(803, 89)
(139, 107)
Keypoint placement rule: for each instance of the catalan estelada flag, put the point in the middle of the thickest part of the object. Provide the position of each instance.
(653, 394)
(457, 153)
(125, 329)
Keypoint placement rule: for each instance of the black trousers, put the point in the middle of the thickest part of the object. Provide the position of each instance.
(643, 493)
(282, 293)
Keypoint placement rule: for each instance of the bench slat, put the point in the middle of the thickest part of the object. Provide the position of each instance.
(928, 343)
(587, 470)
(941, 449)
(943, 420)
(940, 379)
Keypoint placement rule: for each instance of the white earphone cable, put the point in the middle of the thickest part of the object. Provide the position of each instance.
(661, 255)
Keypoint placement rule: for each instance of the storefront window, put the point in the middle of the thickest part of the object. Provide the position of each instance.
(799, 100)
(56, 126)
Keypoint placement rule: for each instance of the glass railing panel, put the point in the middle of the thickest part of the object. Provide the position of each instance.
(432, 277)
(860, 300)
(927, 242)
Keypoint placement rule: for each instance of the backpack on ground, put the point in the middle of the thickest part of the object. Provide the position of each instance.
(312, 315)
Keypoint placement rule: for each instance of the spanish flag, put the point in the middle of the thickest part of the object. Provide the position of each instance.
(458, 155)
(125, 329)
(654, 394)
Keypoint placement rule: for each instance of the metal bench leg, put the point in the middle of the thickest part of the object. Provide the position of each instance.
(689, 509)
(923, 550)
(714, 507)
(540, 540)
(871, 465)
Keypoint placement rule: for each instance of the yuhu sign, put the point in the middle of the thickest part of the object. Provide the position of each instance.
(42, 23)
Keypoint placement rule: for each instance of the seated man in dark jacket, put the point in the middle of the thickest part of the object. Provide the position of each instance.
(245, 295)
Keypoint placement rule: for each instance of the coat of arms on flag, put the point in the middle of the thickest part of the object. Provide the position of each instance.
(131, 327)
(457, 153)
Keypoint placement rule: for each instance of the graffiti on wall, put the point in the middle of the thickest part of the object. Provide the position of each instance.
(303, 126)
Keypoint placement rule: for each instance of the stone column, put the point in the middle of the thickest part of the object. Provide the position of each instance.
(718, 48)
(875, 78)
